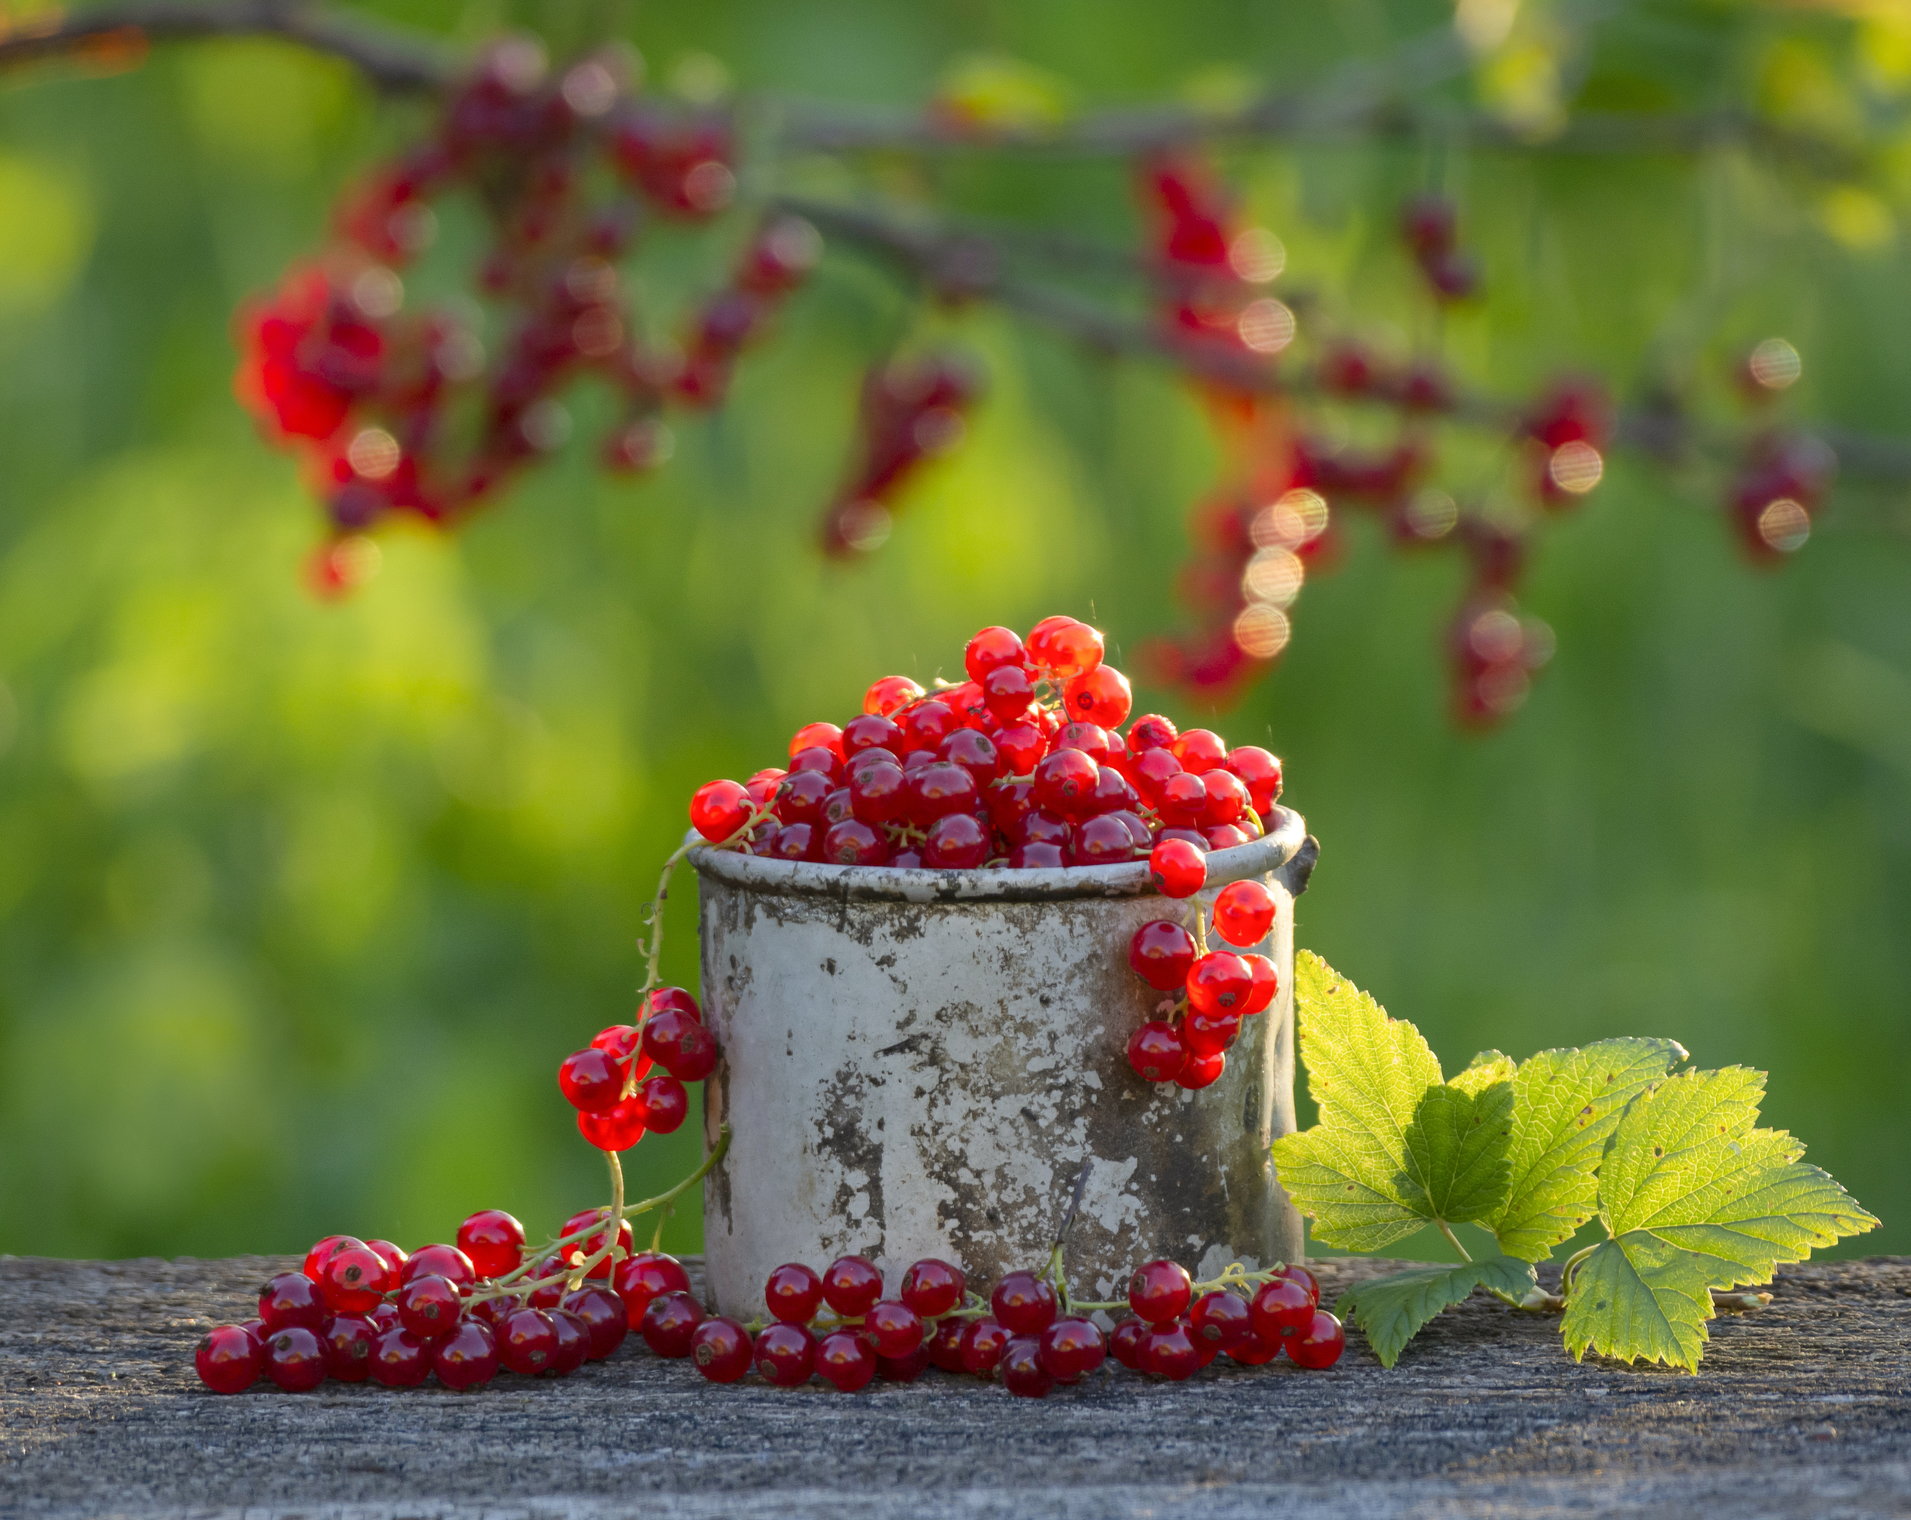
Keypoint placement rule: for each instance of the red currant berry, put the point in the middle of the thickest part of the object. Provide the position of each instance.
(1102, 841)
(1169, 1351)
(976, 753)
(1260, 770)
(802, 796)
(893, 1328)
(670, 999)
(591, 1080)
(1199, 750)
(815, 761)
(1124, 1342)
(1020, 745)
(1177, 868)
(1152, 770)
(793, 1293)
(1225, 836)
(493, 1241)
(347, 1339)
(944, 1345)
(1267, 982)
(721, 1349)
(1319, 1345)
(619, 1040)
(616, 1129)
(315, 1258)
(1037, 857)
(925, 725)
(843, 1359)
(1300, 1275)
(467, 1358)
(851, 1284)
(1220, 982)
(1070, 1349)
(640, 1278)
(1090, 738)
(1181, 800)
(1202, 1071)
(817, 736)
(393, 1258)
(932, 1287)
(878, 792)
(1021, 1368)
(991, 648)
(1226, 801)
(1157, 1051)
(1159, 1291)
(794, 841)
(355, 1278)
(854, 843)
(527, 1342)
(718, 809)
(669, 1323)
(1205, 1033)
(888, 695)
(665, 1103)
(939, 789)
(982, 1345)
(958, 842)
(1063, 647)
(1065, 781)
(603, 1315)
(574, 1254)
(1008, 692)
(229, 1359)
(903, 1369)
(1101, 696)
(1253, 1351)
(1151, 731)
(294, 1358)
(786, 1355)
(1222, 1318)
(1280, 1307)
(1023, 1303)
(1161, 953)
(429, 1307)
(680, 1045)
(291, 1298)
(440, 1261)
(573, 1343)
(400, 1359)
(551, 1273)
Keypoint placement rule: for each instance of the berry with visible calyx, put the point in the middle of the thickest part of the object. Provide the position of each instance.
(786, 1355)
(294, 1358)
(1159, 1291)
(893, 1328)
(718, 809)
(851, 1285)
(527, 1342)
(229, 1359)
(430, 1307)
(1220, 982)
(1221, 1317)
(721, 1349)
(1266, 983)
(669, 1322)
(440, 1261)
(603, 1315)
(1161, 954)
(1021, 1368)
(1208, 1033)
(932, 1287)
(845, 1360)
(1244, 912)
(1169, 1350)
(315, 1258)
(1101, 695)
(1201, 1071)
(681, 1045)
(1072, 1348)
(354, 1279)
(493, 1241)
(640, 1278)
(1157, 1051)
(467, 1358)
(1023, 1303)
(982, 1345)
(1303, 1277)
(1319, 1345)
(1177, 868)
(793, 1293)
(1279, 1308)
(291, 1298)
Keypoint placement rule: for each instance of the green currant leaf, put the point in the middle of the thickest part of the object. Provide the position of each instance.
(1565, 1106)
(1456, 1150)
(1368, 1075)
(1488, 1067)
(1695, 1197)
(1391, 1310)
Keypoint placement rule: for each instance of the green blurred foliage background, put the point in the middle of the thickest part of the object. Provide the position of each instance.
(300, 904)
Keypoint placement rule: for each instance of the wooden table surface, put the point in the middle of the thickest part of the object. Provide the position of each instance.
(1803, 1409)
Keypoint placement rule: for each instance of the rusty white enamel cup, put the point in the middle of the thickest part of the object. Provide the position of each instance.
(919, 1063)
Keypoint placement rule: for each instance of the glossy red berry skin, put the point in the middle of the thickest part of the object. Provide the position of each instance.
(294, 1359)
(1063, 647)
(1199, 750)
(958, 842)
(229, 1359)
(887, 695)
(1202, 1070)
(845, 1361)
(1157, 1052)
(1023, 1303)
(681, 1045)
(670, 999)
(932, 1287)
(1169, 1351)
(1220, 1317)
(291, 1298)
(354, 1279)
(1266, 983)
(1177, 868)
(430, 1307)
(619, 1127)
(1281, 1308)
(793, 1293)
(573, 1343)
(1101, 696)
(785, 1355)
(1124, 1341)
(665, 1102)
(1252, 1351)
(1008, 692)
(1319, 1345)
(527, 1342)
(1064, 782)
(1220, 982)
(1304, 1278)
(1021, 1368)
(1244, 912)
(440, 1261)
(591, 1080)
(982, 1345)
(1159, 1291)
(878, 792)
(315, 1258)
(816, 736)
(892, 1328)
(400, 1359)
(944, 1345)
(721, 1349)
(467, 1358)
(1151, 731)
(990, 649)
(1207, 1034)
(348, 1342)
(575, 1253)
(1225, 802)
(851, 1286)
(854, 843)
(669, 1323)
(1260, 770)
(640, 1278)
(718, 809)
(1070, 1349)
(393, 1257)
(493, 1241)
(1160, 953)
(603, 1315)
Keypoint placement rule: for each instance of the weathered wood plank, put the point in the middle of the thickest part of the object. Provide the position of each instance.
(1804, 1408)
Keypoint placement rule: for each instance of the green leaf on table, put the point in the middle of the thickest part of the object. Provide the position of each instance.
(1368, 1075)
(1565, 1105)
(1488, 1067)
(1391, 1310)
(1456, 1149)
(1694, 1197)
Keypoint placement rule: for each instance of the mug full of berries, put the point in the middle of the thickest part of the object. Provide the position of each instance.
(978, 960)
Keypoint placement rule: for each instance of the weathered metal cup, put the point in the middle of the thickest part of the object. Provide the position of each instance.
(921, 1063)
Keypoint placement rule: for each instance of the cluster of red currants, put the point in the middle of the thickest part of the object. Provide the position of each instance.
(398, 412)
(913, 410)
(368, 1310)
(1022, 765)
(611, 1084)
(1210, 992)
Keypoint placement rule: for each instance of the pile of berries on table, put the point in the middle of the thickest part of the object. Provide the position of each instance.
(365, 1310)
